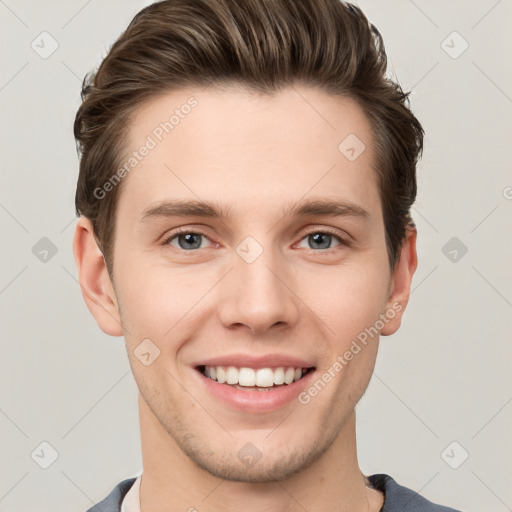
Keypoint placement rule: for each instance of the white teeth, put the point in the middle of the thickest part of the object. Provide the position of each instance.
(265, 378)
(221, 374)
(279, 376)
(289, 375)
(231, 375)
(249, 377)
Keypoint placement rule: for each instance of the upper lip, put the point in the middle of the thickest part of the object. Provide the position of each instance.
(251, 361)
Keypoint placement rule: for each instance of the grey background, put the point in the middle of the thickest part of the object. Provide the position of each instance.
(443, 378)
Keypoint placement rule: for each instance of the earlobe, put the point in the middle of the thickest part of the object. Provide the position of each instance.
(401, 283)
(97, 289)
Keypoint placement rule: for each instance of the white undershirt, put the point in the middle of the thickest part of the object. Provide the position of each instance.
(131, 501)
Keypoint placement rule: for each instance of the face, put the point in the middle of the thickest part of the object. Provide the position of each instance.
(285, 268)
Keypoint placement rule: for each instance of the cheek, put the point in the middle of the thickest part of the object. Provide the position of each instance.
(158, 301)
(347, 299)
(155, 299)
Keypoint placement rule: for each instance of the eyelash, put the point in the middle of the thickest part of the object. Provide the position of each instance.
(324, 231)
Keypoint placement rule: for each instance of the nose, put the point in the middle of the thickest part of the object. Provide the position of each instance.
(259, 295)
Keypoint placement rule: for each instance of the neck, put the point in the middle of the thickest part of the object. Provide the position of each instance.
(171, 481)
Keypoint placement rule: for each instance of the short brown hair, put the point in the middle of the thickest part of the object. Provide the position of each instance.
(261, 45)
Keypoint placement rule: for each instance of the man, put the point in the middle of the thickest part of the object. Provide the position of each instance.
(246, 178)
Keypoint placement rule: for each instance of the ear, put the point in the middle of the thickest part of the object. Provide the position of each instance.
(400, 286)
(97, 288)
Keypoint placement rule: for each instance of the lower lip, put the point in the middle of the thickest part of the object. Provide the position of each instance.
(256, 401)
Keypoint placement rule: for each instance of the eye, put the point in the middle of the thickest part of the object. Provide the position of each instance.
(321, 240)
(186, 240)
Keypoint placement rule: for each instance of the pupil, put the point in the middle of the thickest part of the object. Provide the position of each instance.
(189, 237)
(318, 236)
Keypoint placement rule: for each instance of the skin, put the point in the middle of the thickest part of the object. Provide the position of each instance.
(254, 155)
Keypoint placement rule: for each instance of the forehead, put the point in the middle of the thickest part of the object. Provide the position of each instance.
(254, 151)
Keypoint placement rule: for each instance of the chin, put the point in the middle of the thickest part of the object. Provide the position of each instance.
(251, 465)
(263, 470)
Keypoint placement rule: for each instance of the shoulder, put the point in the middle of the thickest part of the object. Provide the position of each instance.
(112, 503)
(399, 498)
(396, 498)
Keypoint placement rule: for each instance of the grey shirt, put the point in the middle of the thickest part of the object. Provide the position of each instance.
(397, 498)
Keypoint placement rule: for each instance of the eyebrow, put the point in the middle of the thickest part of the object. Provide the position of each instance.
(207, 209)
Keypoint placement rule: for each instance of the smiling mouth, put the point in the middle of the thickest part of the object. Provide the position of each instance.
(259, 379)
